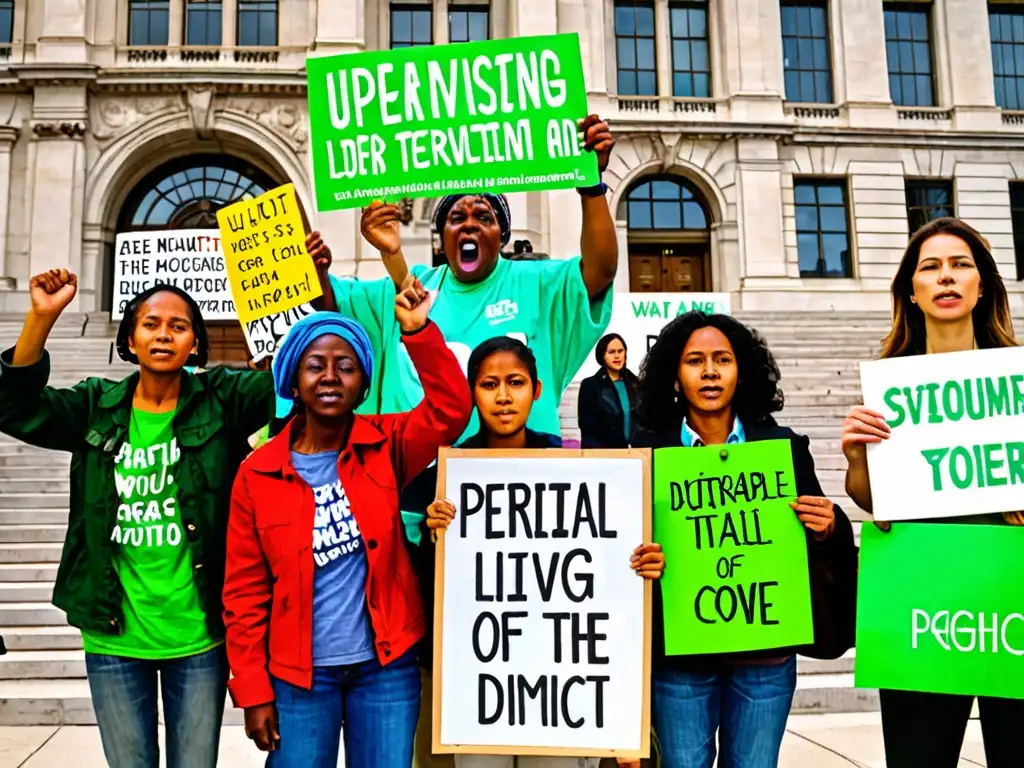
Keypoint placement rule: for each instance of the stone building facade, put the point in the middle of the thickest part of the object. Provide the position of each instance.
(778, 150)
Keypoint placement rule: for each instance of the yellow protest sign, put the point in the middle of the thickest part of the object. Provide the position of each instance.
(264, 245)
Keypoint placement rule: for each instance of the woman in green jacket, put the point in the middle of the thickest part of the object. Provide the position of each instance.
(153, 458)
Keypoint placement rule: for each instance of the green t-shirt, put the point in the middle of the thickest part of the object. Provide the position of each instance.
(162, 617)
(542, 303)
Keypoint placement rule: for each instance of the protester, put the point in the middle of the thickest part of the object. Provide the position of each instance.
(709, 380)
(503, 377)
(325, 637)
(607, 402)
(153, 458)
(947, 296)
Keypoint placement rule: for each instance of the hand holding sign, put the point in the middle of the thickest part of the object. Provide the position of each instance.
(817, 513)
(381, 226)
(597, 138)
(861, 427)
(648, 561)
(440, 514)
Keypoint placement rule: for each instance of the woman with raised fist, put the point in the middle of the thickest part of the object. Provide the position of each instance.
(321, 600)
(152, 462)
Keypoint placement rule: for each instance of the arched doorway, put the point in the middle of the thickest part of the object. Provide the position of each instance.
(669, 236)
(186, 193)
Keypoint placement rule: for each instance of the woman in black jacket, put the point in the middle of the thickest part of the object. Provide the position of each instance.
(607, 402)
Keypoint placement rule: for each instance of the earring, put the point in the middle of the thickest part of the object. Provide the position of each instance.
(913, 300)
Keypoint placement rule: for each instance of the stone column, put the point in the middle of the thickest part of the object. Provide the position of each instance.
(533, 17)
(340, 27)
(663, 47)
(440, 17)
(8, 136)
(63, 35)
(176, 23)
(968, 70)
(759, 183)
(229, 23)
(56, 166)
(858, 37)
(752, 35)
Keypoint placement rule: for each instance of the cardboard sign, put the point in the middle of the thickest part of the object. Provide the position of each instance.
(639, 318)
(736, 575)
(268, 266)
(492, 116)
(542, 630)
(939, 609)
(190, 259)
(957, 442)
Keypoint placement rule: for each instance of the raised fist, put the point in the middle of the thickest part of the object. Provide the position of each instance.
(52, 291)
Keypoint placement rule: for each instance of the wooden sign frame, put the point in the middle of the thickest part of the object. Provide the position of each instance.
(642, 454)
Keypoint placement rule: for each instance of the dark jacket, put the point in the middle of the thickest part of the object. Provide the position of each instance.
(417, 497)
(217, 411)
(832, 564)
(599, 411)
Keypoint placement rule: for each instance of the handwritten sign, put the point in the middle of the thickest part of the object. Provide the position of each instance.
(640, 317)
(956, 446)
(541, 624)
(938, 609)
(736, 576)
(264, 335)
(268, 266)
(190, 259)
(493, 116)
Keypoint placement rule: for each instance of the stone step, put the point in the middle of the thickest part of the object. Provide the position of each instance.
(57, 481)
(841, 666)
(34, 500)
(45, 702)
(59, 472)
(42, 665)
(30, 553)
(56, 516)
(32, 534)
(30, 615)
(28, 572)
(26, 591)
(819, 694)
(52, 638)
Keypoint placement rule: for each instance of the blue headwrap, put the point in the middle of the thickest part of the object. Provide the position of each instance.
(304, 333)
(499, 203)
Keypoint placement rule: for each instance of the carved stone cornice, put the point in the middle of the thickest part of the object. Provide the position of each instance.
(59, 129)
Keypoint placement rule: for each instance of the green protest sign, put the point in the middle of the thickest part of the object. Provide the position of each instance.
(493, 116)
(939, 609)
(736, 576)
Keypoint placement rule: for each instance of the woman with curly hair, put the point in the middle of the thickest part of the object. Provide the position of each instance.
(947, 296)
(710, 380)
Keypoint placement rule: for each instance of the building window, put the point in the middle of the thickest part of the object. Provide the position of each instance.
(1017, 217)
(691, 66)
(203, 22)
(6, 21)
(1006, 24)
(908, 52)
(257, 23)
(147, 22)
(805, 52)
(822, 228)
(411, 25)
(664, 204)
(634, 42)
(468, 23)
(927, 200)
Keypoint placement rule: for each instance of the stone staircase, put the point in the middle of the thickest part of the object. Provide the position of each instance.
(42, 678)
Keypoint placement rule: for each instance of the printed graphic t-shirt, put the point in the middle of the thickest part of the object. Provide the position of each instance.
(542, 303)
(341, 624)
(162, 617)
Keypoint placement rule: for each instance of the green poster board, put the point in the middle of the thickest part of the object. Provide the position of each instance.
(940, 609)
(492, 116)
(736, 576)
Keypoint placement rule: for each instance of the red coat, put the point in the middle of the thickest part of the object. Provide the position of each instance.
(268, 584)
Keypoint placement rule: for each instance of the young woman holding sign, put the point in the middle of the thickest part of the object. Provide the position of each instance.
(321, 602)
(152, 461)
(947, 296)
(710, 380)
(503, 378)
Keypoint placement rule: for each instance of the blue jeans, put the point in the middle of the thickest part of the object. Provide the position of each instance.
(747, 706)
(124, 695)
(378, 707)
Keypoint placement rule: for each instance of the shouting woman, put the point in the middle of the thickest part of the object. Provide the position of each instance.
(710, 380)
(153, 459)
(321, 601)
(947, 296)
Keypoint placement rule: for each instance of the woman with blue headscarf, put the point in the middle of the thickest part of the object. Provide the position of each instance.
(321, 602)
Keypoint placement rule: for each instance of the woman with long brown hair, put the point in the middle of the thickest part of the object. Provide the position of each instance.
(947, 296)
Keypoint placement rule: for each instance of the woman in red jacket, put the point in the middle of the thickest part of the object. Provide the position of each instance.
(321, 603)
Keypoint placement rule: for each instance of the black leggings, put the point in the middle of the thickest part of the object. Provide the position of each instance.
(926, 730)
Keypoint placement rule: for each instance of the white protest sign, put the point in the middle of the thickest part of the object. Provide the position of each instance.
(957, 443)
(190, 259)
(264, 335)
(540, 624)
(639, 317)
